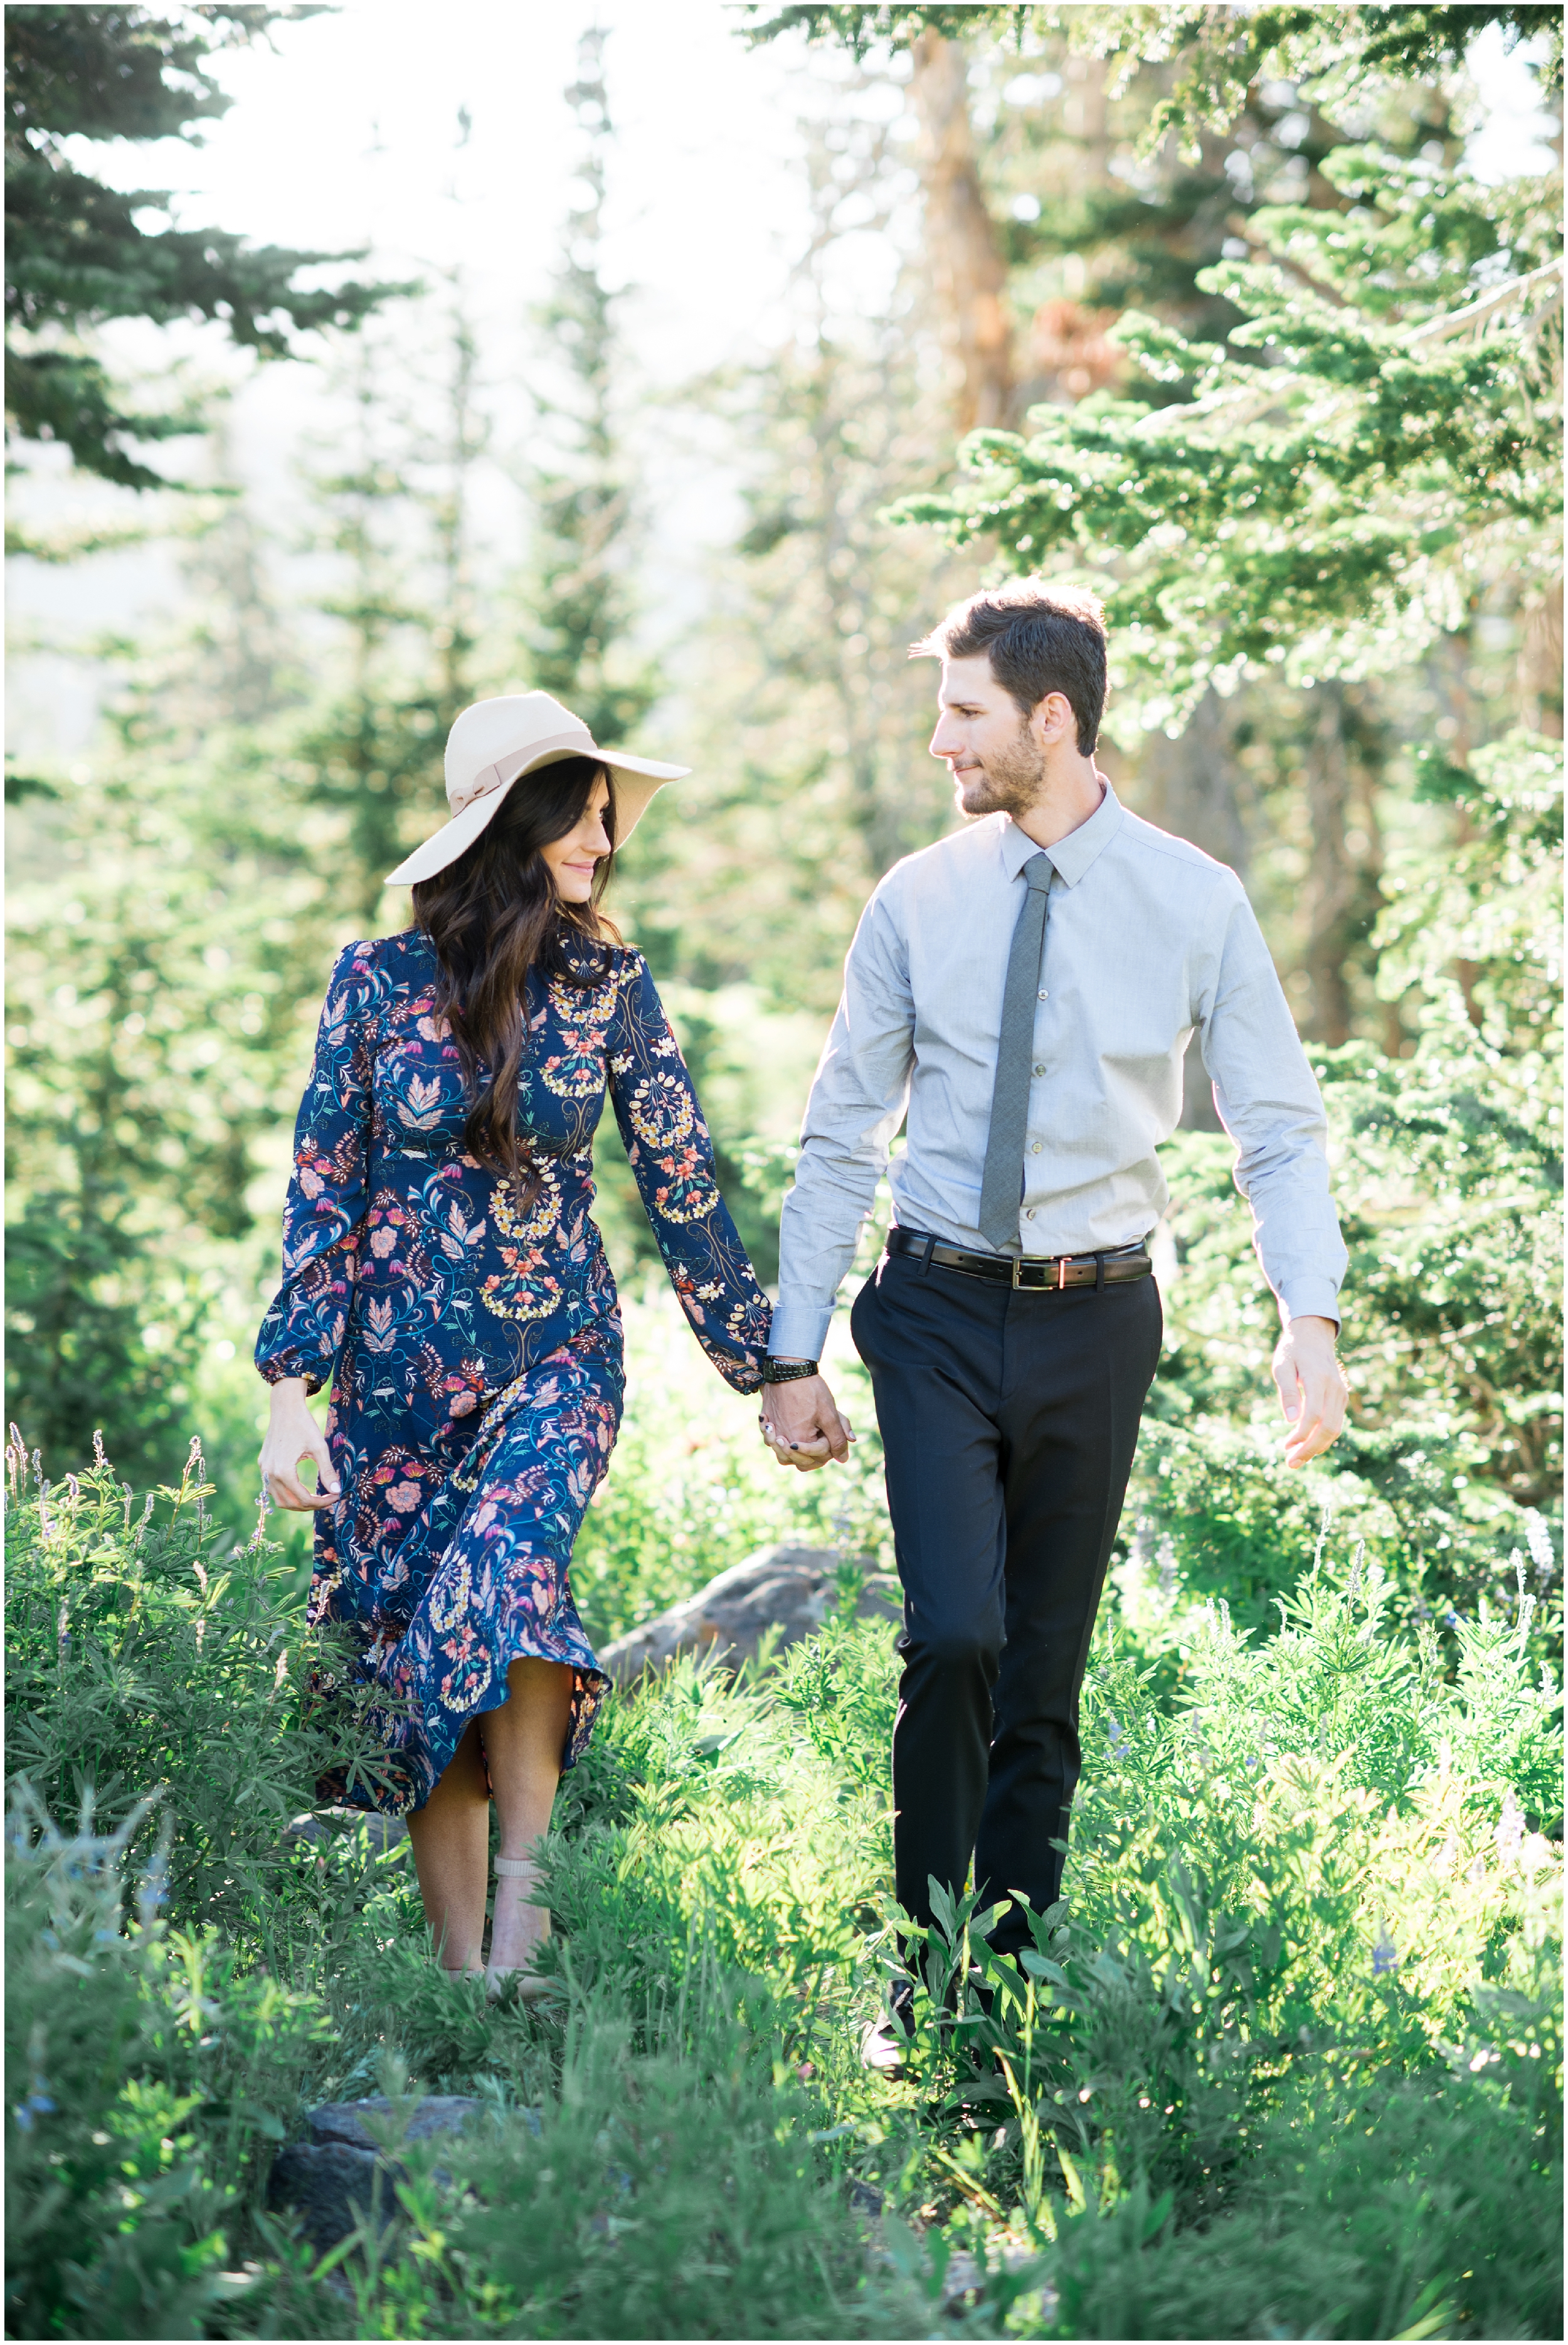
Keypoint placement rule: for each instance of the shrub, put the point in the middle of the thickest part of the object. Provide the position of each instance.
(148, 2079)
(1288, 2058)
(144, 1651)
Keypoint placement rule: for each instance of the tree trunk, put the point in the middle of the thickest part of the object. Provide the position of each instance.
(1333, 890)
(1541, 665)
(968, 272)
(1457, 732)
(1188, 788)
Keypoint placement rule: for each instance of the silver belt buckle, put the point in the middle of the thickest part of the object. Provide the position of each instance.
(1045, 1287)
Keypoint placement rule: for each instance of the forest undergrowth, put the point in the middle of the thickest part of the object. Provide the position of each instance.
(1287, 2063)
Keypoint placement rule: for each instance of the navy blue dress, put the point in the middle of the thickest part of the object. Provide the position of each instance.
(475, 1349)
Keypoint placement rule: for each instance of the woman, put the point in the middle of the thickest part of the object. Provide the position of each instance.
(442, 1267)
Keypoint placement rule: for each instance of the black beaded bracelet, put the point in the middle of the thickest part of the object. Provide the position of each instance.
(786, 1372)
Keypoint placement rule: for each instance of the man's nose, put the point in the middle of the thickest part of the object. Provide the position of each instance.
(946, 739)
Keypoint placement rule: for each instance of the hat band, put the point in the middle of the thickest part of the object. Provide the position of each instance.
(505, 770)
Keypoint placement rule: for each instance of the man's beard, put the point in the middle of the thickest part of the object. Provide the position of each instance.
(1009, 782)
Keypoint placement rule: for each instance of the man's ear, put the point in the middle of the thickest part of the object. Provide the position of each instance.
(1052, 718)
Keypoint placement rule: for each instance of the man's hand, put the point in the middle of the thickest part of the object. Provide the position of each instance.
(293, 1434)
(801, 1425)
(1311, 1387)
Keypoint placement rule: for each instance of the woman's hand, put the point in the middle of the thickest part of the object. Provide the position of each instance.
(292, 1435)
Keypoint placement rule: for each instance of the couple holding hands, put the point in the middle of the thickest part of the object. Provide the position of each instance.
(1020, 998)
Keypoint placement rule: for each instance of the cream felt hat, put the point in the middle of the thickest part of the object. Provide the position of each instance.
(494, 744)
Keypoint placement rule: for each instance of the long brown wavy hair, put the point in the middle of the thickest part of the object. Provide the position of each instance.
(491, 917)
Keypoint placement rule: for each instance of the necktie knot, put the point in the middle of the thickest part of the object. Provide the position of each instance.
(1040, 870)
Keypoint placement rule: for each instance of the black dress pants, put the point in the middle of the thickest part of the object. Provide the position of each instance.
(1008, 1421)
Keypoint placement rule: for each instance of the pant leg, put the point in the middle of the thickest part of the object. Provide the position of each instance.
(1077, 1371)
(934, 1344)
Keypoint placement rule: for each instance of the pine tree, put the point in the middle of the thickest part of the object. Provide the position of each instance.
(579, 612)
(398, 517)
(76, 253)
(1325, 512)
(150, 1056)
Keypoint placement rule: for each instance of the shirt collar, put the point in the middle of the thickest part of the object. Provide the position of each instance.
(1071, 856)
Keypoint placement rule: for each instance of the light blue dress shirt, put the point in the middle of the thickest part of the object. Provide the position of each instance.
(1148, 941)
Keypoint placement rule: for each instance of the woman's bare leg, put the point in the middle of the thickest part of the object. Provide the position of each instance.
(450, 1836)
(523, 1741)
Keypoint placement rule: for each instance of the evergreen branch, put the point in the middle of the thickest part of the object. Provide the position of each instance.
(1230, 413)
(1439, 329)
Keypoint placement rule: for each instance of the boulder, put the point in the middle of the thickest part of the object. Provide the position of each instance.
(345, 2122)
(319, 1825)
(329, 2189)
(329, 2180)
(790, 1590)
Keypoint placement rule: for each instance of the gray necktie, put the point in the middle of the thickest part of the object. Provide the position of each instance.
(1001, 1187)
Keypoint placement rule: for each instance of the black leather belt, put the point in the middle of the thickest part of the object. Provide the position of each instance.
(1033, 1273)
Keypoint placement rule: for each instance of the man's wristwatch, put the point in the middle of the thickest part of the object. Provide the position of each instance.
(786, 1372)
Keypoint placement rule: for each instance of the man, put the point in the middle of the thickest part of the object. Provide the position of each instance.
(1025, 991)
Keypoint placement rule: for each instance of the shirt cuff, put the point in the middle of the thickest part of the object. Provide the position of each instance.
(1312, 1298)
(799, 1330)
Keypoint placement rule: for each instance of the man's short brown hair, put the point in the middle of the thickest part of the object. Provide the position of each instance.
(1040, 638)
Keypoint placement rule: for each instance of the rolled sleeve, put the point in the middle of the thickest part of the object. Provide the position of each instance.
(1270, 1104)
(857, 1101)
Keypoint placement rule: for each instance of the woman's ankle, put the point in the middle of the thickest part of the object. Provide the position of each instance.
(518, 1923)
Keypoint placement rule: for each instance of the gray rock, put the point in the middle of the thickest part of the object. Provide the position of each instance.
(790, 1590)
(318, 1825)
(963, 2278)
(330, 2181)
(344, 2122)
(330, 2189)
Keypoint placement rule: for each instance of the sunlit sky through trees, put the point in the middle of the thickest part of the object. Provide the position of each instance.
(442, 139)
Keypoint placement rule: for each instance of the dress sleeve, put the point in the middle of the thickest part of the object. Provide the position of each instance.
(324, 1212)
(672, 1156)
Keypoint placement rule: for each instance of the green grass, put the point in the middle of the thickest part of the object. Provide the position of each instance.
(1286, 2064)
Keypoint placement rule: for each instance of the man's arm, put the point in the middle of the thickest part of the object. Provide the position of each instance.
(1270, 1104)
(857, 1105)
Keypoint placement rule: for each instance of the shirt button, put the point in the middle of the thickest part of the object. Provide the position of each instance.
(1039, 1070)
(1045, 995)
(1028, 1213)
(1036, 1146)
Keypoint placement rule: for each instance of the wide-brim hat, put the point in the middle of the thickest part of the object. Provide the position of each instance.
(494, 744)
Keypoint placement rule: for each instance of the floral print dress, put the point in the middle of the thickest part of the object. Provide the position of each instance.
(474, 1348)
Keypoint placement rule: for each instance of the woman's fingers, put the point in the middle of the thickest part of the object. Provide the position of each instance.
(325, 1467)
(806, 1456)
(802, 1426)
(288, 1490)
(281, 1453)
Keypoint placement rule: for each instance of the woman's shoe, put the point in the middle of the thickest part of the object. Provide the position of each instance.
(522, 1976)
